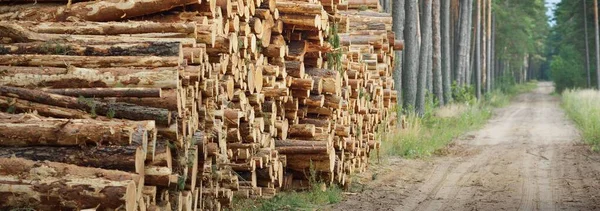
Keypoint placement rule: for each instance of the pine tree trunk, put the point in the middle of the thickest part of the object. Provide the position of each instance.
(587, 47)
(489, 47)
(398, 27)
(478, 52)
(445, 52)
(423, 57)
(437, 60)
(468, 71)
(411, 50)
(597, 43)
(463, 42)
(493, 53)
(483, 46)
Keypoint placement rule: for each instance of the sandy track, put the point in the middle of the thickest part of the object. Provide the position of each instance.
(528, 157)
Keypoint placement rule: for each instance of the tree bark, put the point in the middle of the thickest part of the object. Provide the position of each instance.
(111, 28)
(110, 10)
(66, 193)
(489, 46)
(15, 105)
(73, 77)
(463, 42)
(39, 171)
(446, 51)
(425, 51)
(411, 66)
(398, 28)
(162, 117)
(108, 92)
(478, 52)
(163, 49)
(123, 158)
(587, 50)
(437, 60)
(89, 61)
(29, 130)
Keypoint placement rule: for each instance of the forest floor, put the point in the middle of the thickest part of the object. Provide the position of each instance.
(529, 156)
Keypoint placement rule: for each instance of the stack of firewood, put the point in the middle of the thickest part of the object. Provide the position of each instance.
(182, 104)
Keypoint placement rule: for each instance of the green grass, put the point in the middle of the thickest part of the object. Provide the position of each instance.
(583, 106)
(439, 127)
(313, 199)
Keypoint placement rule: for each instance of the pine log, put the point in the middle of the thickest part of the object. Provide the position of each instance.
(18, 33)
(110, 28)
(331, 79)
(124, 158)
(15, 105)
(108, 92)
(164, 49)
(302, 130)
(29, 130)
(89, 61)
(310, 22)
(301, 8)
(160, 176)
(109, 10)
(42, 169)
(297, 50)
(118, 110)
(168, 100)
(72, 77)
(295, 68)
(302, 84)
(55, 192)
(303, 147)
(308, 162)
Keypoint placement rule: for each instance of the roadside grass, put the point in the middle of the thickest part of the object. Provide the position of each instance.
(440, 126)
(583, 106)
(312, 199)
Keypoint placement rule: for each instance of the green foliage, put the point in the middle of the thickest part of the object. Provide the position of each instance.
(334, 58)
(521, 29)
(566, 45)
(463, 94)
(583, 106)
(566, 71)
(90, 103)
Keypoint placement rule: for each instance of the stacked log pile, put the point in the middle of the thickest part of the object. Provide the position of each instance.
(188, 102)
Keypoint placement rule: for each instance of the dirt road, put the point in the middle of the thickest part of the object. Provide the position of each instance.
(528, 157)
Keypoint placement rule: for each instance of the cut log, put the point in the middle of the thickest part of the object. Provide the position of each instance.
(110, 10)
(89, 61)
(72, 77)
(301, 130)
(165, 49)
(38, 171)
(108, 92)
(110, 28)
(126, 158)
(18, 33)
(169, 100)
(301, 8)
(48, 191)
(28, 130)
(119, 110)
(15, 105)
(316, 162)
